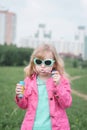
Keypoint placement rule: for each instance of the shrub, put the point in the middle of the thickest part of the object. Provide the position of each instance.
(84, 64)
(13, 56)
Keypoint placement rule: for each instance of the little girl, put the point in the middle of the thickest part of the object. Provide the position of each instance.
(47, 92)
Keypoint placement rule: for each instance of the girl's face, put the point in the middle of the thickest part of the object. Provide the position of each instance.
(44, 66)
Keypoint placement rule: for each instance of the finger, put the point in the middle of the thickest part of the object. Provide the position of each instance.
(18, 92)
(56, 79)
(18, 89)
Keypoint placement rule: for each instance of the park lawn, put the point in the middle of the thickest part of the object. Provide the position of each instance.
(78, 114)
(9, 112)
(76, 71)
(11, 116)
(80, 85)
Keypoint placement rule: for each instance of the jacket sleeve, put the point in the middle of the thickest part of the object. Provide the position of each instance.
(23, 102)
(62, 93)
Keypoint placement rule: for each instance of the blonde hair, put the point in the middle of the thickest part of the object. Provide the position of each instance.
(40, 52)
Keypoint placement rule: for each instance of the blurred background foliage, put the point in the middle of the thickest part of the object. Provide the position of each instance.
(13, 56)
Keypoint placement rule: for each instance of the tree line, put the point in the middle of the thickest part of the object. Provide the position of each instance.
(14, 56)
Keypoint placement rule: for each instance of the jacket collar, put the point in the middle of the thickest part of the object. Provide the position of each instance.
(49, 83)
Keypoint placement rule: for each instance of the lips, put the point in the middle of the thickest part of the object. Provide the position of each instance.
(45, 71)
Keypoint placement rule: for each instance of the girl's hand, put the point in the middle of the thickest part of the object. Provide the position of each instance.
(18, 89)
(56, 77)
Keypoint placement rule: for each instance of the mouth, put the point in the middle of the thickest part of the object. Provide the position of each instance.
(45, 71)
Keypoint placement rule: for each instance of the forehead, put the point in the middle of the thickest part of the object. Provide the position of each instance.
(44, 55)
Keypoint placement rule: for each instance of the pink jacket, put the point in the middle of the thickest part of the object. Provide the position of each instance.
(59, 99)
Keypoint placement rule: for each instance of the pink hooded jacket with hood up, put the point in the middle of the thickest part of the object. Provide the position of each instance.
(59, 98)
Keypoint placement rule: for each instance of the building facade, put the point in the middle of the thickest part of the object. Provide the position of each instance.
(75, 48)
(7, 27)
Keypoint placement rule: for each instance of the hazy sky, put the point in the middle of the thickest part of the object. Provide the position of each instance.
(61, 16)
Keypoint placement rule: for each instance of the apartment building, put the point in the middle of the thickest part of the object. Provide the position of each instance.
(7, 27)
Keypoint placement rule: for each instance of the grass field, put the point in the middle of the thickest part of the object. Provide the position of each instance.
(11, 116)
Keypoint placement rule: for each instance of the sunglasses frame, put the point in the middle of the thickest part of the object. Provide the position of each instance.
(43, 61)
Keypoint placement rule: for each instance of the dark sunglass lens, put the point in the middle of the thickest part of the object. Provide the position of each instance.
(38, 61)
(48, 62)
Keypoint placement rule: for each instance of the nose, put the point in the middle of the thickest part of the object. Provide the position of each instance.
(42, 65)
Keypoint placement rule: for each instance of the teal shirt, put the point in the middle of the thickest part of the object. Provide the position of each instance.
(42, 119)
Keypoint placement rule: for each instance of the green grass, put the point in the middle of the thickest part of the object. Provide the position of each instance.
(11, 116)
(80, 85)
(77, 71)
(78, 114)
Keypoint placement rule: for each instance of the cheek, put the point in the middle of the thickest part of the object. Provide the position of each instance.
(37, 68)
(49, 68)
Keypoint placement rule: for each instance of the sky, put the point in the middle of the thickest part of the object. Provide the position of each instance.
(62, 17)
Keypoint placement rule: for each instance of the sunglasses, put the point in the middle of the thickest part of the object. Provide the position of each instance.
(47, 62)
